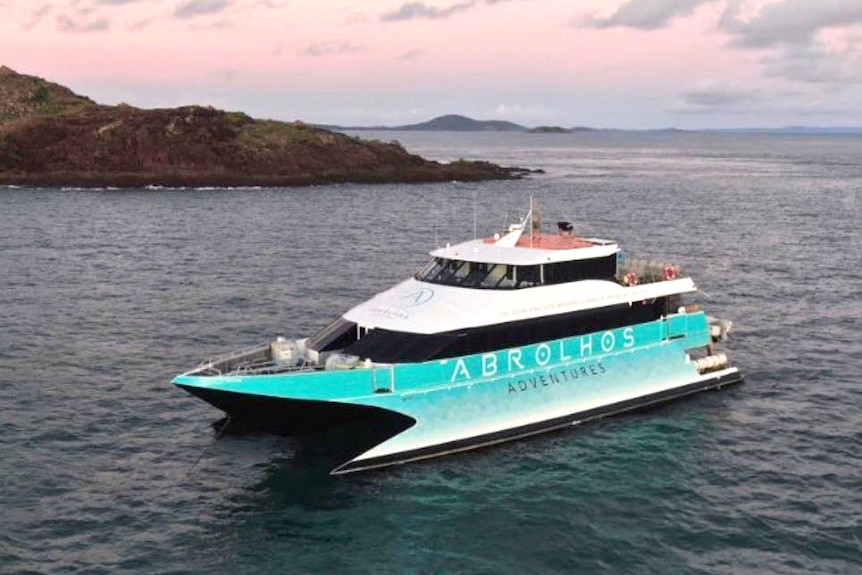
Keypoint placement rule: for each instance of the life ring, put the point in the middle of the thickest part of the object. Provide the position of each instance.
(670, 272)
(630, 279)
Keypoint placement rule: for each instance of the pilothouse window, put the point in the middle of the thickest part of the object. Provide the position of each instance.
(504, 276)
(468, 274)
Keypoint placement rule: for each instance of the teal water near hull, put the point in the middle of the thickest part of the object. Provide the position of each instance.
(106, 295)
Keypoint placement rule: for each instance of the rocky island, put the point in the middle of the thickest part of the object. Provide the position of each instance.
(50, 136)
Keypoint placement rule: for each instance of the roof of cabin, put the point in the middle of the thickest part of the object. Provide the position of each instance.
(537, 248)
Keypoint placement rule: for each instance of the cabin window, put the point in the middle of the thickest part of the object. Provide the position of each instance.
(597, 268)
(484, 275)
(388, 346)
(467, 274)
(337, 335)
(528, 276)
(383, 345)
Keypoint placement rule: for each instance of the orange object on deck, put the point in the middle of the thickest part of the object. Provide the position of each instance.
(548, 241)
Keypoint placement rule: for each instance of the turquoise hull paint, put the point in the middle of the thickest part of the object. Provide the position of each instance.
(459, 398)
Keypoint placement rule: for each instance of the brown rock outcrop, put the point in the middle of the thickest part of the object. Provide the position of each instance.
(51, 136)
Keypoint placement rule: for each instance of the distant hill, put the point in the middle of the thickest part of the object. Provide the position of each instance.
(550, 130)
(794, 130)
(51, 136)
(447, 123)
(458, 123)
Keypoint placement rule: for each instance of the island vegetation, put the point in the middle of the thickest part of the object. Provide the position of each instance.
(550, 130)
(51, 136)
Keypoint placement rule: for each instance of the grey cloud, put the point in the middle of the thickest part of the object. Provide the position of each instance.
(644, 14)
(422, 11)
(194, 8)
(814, 65)
(787, 31)
(272, 4)
(759, 103)
(217, 25)
(331, 48)
(411, 55)
(718, 97)
(66, 24)
(140, 24)
(790, 31)
(789, 22)
(119, 2)
(36, 17)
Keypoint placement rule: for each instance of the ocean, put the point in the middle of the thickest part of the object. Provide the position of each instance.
(105, 467)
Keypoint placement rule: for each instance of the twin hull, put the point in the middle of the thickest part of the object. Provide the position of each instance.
(446, 405)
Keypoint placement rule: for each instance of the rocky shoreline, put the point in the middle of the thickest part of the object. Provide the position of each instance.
(471, 173)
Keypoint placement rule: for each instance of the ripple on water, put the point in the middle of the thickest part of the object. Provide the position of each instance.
(106, 294)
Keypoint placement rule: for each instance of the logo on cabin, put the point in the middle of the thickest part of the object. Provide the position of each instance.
(417, 297)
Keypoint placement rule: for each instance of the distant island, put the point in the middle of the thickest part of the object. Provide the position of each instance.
(550, 130)
(51, 136)
(447, 123)
(459, 123)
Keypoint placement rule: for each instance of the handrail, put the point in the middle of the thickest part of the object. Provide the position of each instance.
(234, 355)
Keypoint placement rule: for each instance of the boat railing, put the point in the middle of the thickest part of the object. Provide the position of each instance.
(269, 368)
(635, 271)
(238, 356)
(251, 360)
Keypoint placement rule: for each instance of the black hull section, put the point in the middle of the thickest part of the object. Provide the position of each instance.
(296, 417)
(540, 427)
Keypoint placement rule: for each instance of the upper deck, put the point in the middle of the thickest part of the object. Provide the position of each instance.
(528, 249)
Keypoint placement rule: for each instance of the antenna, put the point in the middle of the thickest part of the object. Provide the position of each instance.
(474, 214)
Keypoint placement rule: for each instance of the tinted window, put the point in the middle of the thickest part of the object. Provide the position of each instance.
(503, 276)
(337, 335)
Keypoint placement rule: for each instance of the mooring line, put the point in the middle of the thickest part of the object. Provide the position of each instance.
(205, 449)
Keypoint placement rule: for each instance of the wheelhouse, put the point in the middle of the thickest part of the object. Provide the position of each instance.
(488, 275)
(500, 264)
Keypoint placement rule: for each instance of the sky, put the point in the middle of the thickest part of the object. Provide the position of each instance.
(637, 64)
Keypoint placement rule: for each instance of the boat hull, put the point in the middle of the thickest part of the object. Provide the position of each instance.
(432, 408)
(716, 381)
(295, 417)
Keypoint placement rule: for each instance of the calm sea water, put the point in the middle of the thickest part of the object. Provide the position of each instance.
(105, 295)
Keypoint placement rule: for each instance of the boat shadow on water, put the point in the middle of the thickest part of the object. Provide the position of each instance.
(318, 453)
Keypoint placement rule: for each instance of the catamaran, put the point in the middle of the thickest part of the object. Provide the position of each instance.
(493, 339)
